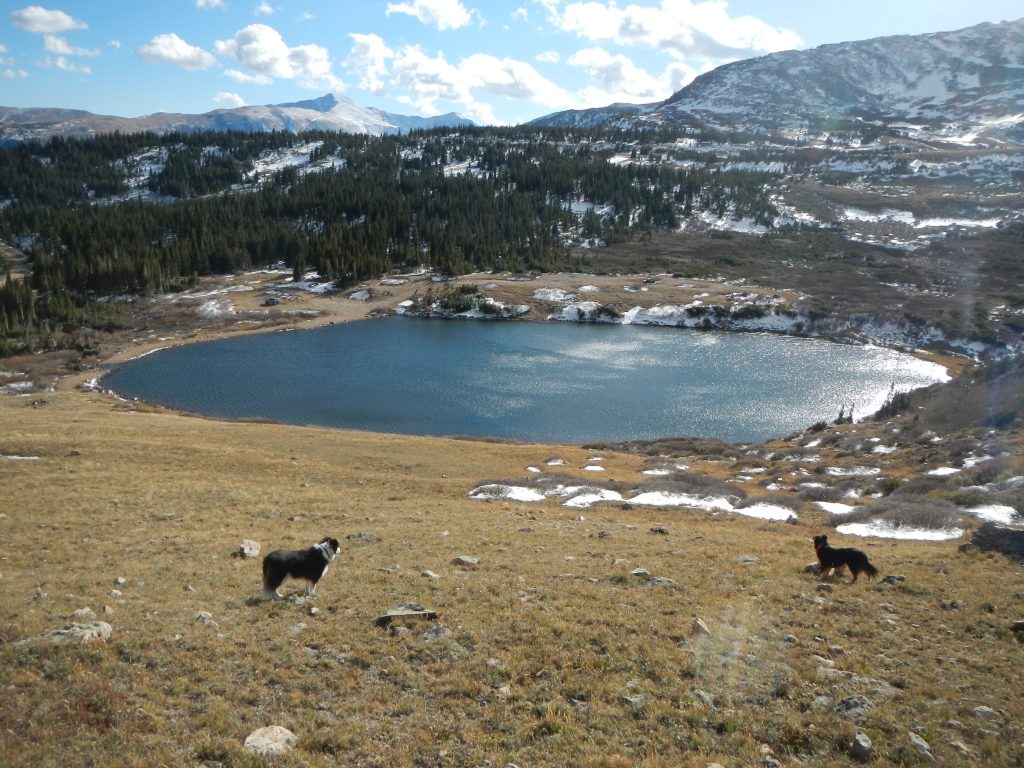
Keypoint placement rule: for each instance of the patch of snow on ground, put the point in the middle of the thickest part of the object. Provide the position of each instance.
(585, 500)
(883, 449)
(505, 492)
(996, 513)
(360, 296)
(20, 458)
(883, 530)
(766, 512)
(593, 468)
(589, 289)
(552, 294)
(834, 507)
(943, 471)
(657, 472)
(214, 308)
(852, 471)
(393, 281)
(663, 499)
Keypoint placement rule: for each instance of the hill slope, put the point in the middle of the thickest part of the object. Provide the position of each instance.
(972, 77)
(331, 112)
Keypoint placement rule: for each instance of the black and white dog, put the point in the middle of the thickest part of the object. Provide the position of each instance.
(308, 564)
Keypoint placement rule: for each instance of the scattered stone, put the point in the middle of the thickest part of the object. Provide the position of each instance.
(822, 661)
(504, 691)
(661, 581)
(814, 568)
(854, 708)
(86, 632)
(84, 613)
(206, 618)
(660, 530)
(922, 746)
(464, 561)
(771, 762)
(362, 536)
(640, 573)
(860, 749)
(248, 549)
(115, 593)
(272, 740)
(429, 575)
(984, 713)
(405, 610)
(635, 701)
(836, 650)
(699, 628)
(313, 610)
(294, 630)
(951, 605)
(107, 610)
(790, 639)
(120, 581)
(1000, 538)
(962, 748)
(894, 578)
(495, 663)
(437, 632)
(1017, 626)
(603, 534)
(747, 559)
(704, 698)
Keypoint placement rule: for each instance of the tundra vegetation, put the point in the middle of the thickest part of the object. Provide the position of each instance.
(574, 638)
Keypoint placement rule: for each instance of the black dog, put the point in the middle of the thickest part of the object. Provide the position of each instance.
(832, 559)
(308, 564)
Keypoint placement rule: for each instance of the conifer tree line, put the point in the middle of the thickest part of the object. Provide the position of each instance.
(476, 199)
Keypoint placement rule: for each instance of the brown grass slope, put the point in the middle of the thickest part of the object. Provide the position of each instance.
(557, 654)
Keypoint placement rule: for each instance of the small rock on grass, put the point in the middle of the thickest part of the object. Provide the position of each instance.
(860, 749)
(272, 740)
(699, 628)
(465, 561)
(922, 746)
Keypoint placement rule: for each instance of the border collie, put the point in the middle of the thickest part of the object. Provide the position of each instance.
(307, 564)
(835, 560)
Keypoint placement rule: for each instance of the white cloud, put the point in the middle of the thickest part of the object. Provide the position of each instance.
(115, 44)
(549, 57)
(680, 28)
(521, 14)
(37, 19)
(368, 61)
(512, 79)
(231, 100)
(305, 16)
(59, 45)
(260, 49)
(171, 49)
(617, 75)
(64, 65)
(14, 74)
(439, 14)
(209, 3)
(249, 79)
(264, 9)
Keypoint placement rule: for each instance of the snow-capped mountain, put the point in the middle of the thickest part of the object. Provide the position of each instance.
(332, 112)
(971, 78)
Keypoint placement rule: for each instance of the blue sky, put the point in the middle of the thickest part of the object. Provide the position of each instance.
(495, 62)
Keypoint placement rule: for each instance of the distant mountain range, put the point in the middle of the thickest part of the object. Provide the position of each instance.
(972, 78)
(332, 112)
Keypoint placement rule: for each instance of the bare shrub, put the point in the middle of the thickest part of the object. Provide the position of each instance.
(926, 484)
(909, 511)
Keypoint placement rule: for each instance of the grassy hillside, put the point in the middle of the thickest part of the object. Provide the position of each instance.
(555, 654)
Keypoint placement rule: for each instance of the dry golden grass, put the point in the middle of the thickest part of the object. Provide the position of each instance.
(557, 655)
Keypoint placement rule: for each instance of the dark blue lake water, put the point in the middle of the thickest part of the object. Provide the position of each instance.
(537, 382)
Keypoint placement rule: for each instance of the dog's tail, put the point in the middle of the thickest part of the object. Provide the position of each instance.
(870, 570)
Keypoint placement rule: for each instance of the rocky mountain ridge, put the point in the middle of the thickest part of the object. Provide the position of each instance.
(961, 85)
(331, 112)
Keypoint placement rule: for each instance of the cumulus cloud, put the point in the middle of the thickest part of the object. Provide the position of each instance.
(209, 3)
(439, 14)
(41, 20)
(64, 65)
(368, 61)
(680, 28)
(261, 50)
(247, 78)
(171, 49)
(14, 74)
(264, 9)
(229, 99)
(617, 74)
(115, 44)
(549, 57)
(59, 45)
